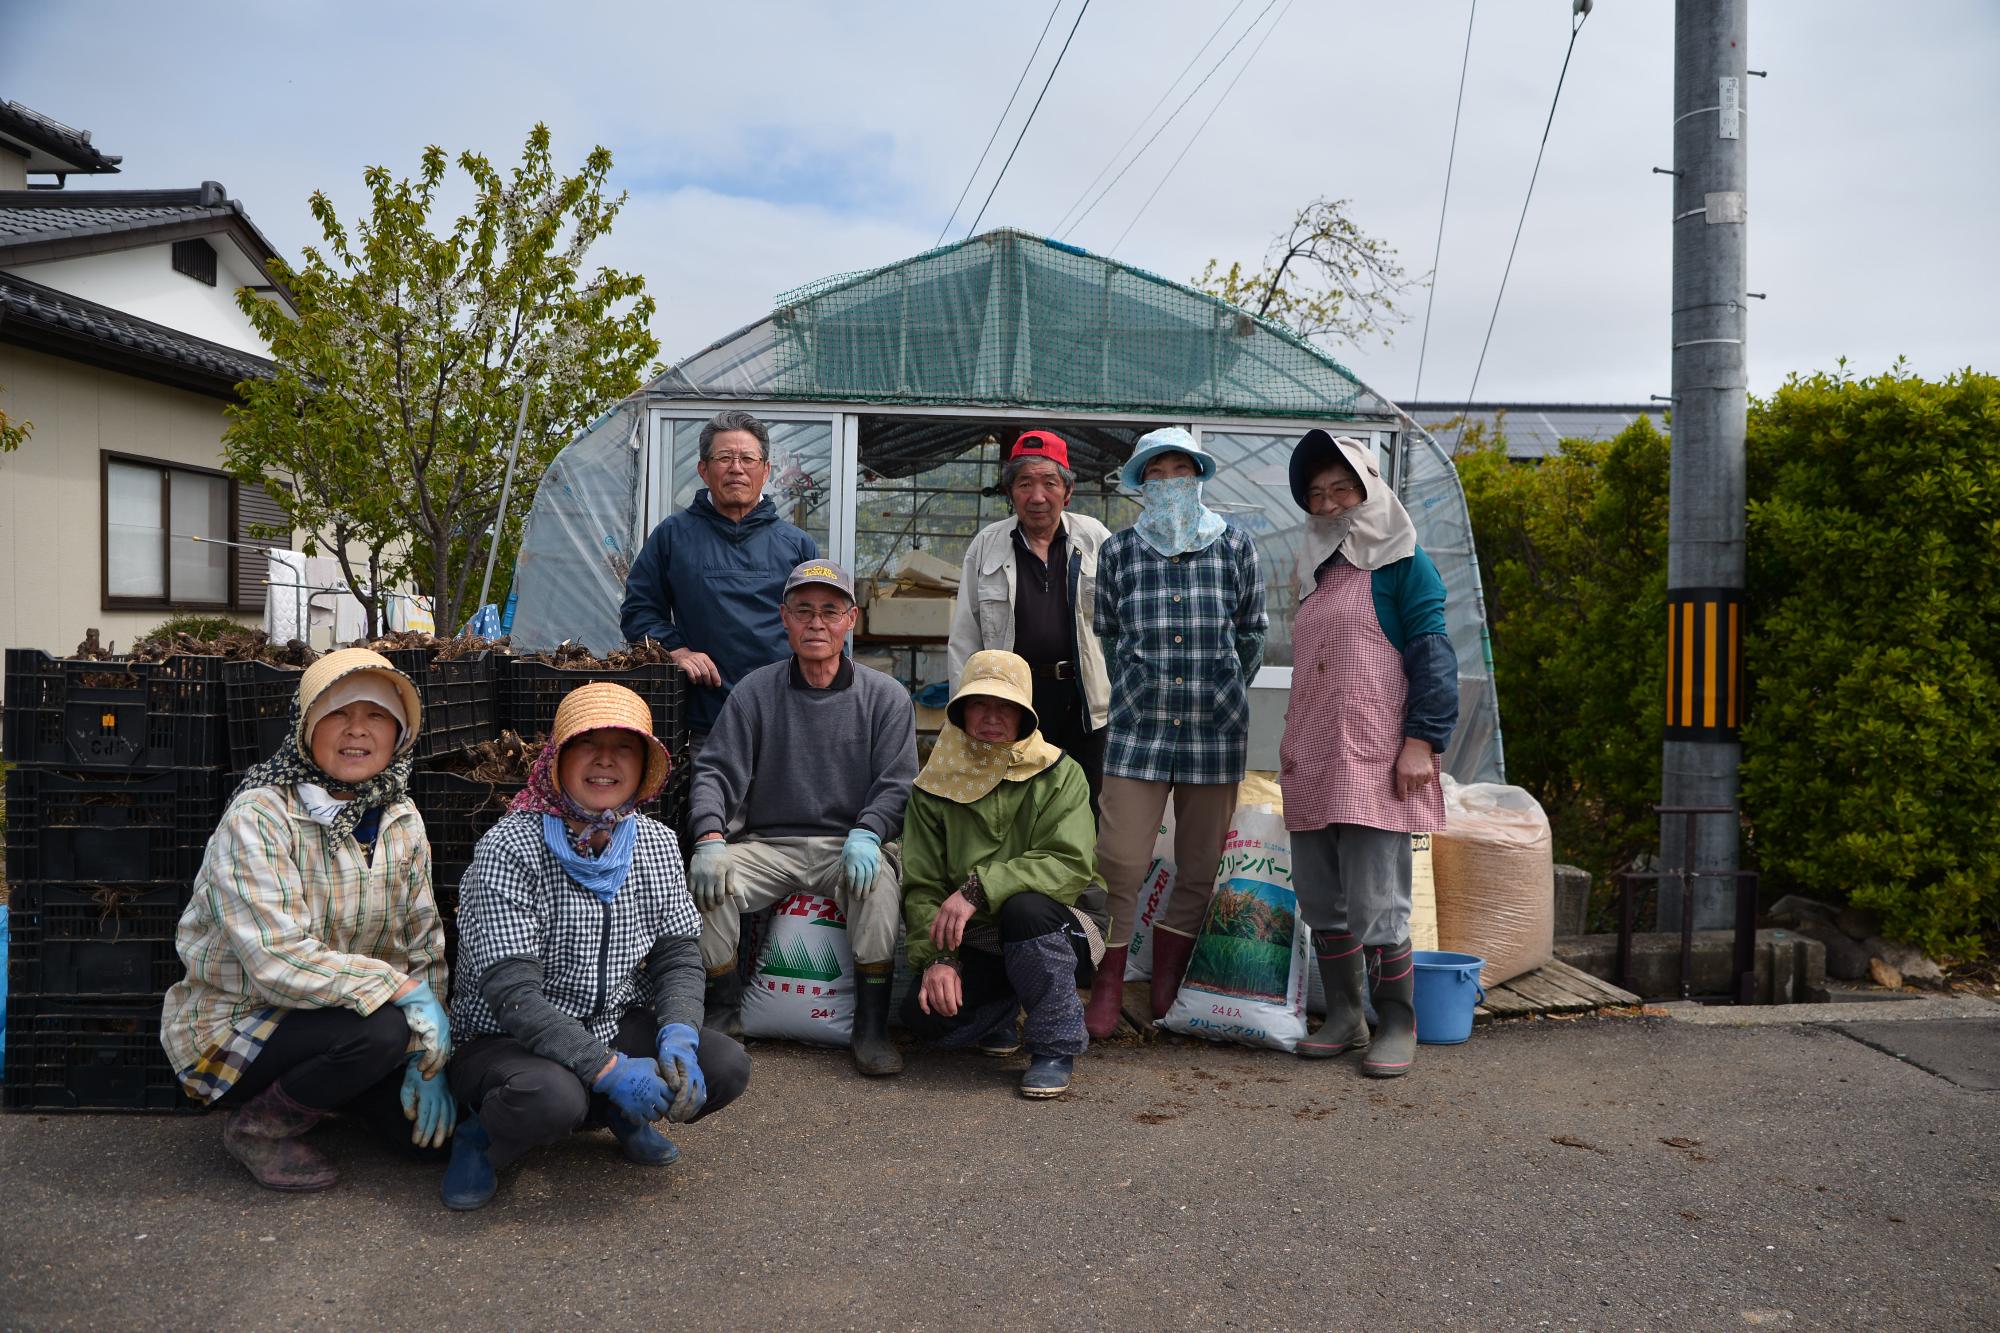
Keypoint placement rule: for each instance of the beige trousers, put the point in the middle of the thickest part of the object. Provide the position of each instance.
(766, 871)
(1127, 826)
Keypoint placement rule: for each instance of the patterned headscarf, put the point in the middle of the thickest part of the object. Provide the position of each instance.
(293, 764)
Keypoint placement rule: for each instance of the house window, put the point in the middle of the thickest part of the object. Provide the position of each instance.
(195, 258)
(152, 514)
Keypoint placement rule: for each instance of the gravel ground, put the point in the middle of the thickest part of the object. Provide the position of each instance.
(1618, 1173)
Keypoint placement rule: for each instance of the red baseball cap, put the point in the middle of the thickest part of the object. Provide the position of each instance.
(1041, 444)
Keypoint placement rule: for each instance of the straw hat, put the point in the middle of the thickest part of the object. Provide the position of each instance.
(602, 704)
(997, 675)
(322, 675)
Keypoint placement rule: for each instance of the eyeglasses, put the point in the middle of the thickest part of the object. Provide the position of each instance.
(744, 461)
(1338, 488)
(819, 615)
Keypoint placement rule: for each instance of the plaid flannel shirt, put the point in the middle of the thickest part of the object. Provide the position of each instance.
(284, 916)
(516, 902)
(1180, 707)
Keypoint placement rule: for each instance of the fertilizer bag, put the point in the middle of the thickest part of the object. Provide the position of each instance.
(803, 985)
(1495, 870)
(1154, 891)
(1246, 980)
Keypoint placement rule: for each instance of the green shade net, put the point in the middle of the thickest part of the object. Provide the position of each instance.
(1009, 319)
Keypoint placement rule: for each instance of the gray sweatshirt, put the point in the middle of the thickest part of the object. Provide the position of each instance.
(785, 760)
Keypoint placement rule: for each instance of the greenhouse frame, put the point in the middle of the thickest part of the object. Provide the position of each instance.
(891, 395)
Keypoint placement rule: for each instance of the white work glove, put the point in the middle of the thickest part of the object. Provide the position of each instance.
(708, 874)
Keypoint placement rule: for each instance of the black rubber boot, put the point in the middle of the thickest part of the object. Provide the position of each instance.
(1343, 973)
(1394, 975)
(722, 1003)
(874, 1054)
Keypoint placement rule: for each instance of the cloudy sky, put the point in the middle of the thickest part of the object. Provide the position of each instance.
(765, 144)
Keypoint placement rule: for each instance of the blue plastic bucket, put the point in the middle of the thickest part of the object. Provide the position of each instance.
(1448, 989)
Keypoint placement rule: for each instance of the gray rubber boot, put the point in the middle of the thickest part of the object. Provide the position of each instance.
(722, 1003)
(874, 1054)
(1395, 990)
(1343, 973)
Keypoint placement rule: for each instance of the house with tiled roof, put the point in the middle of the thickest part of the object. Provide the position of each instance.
(121, 343)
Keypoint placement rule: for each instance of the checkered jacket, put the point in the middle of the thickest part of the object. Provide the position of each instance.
(516, 902)
(1180, 707)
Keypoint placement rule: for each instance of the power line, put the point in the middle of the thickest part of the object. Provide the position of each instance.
(1143, 120)
(1169, 120)
(1444, 203)
(1031, 116)
(1205, 119)
(997, 124)
(1575, 27)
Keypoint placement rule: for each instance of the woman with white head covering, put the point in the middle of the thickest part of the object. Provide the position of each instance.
(1180, 615)
(314, 951)
(1374, 700)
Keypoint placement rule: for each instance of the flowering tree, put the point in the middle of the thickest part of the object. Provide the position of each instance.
(387, 421)
(1323, 277)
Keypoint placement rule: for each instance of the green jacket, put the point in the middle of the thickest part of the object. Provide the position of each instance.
(1036, 835)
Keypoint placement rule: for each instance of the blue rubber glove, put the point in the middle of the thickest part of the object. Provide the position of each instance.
(634, 1085)
(860, 859)
(432, 1027)
(708, 874)
(429, 1103)
(681, 1068)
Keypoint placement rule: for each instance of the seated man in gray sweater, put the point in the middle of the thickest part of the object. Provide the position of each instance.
(807, 770)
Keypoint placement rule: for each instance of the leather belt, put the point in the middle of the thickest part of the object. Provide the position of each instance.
(1053, 670)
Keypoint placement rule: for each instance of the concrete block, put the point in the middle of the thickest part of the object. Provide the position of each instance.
(1572, 900)
(1791, 969)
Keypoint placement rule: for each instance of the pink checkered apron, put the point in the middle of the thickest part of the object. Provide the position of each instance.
(1344, 727)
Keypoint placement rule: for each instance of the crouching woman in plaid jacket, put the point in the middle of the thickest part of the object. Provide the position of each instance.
(579, 986)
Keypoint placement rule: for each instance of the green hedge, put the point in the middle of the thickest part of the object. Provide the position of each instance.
(1872, 749)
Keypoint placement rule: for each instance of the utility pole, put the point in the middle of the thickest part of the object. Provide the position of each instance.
(1706, 497)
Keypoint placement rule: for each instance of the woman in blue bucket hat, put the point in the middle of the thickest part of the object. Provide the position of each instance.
(1180, 614)
(1374, 701)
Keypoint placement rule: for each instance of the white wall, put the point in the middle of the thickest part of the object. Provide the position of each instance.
(143, 282)
(13, 170)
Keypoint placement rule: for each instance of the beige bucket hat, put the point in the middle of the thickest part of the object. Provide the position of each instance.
(321, 684)
(997, 675)
(605, 703)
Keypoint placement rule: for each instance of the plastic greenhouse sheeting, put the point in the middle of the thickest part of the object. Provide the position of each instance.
(1007, 318)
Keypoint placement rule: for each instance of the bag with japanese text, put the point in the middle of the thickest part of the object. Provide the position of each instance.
(803, 985)
(1246, 980)
(1154, 890)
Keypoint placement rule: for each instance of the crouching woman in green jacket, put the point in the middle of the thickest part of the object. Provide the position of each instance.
(998, 844)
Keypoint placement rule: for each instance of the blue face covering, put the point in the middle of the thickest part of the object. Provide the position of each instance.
(603, 874)
(1175, 521)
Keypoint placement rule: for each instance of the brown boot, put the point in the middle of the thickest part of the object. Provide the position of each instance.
(1170, 960)
(1107, 991)
(263, 1134)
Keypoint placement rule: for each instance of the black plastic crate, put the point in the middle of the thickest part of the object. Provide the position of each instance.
(461, 702)
(531, 692)
(94, 940)
(113, 714)
(74, 1055)
(107, 827)
(259, 704)
(456, 811)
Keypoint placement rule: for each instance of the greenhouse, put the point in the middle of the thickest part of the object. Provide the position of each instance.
(891, 395)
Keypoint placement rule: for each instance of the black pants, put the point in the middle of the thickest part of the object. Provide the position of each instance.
(524, 1100)
(988, 998)
(334, 1059)
(1065, 723)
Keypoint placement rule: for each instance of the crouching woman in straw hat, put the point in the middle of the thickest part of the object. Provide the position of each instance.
(998, 844)
(314, 953)
(1374, 701)
(579, 996)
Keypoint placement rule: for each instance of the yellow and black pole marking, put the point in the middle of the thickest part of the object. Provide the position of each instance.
(1704, 664)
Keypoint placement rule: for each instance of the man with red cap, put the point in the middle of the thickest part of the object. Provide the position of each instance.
(1028, 587)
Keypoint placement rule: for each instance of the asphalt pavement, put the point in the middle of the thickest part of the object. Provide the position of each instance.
(1604, 1173)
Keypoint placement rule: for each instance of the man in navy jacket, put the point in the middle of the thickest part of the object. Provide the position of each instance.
(708, 583)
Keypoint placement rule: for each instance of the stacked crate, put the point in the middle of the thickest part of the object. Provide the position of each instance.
(115, 782)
